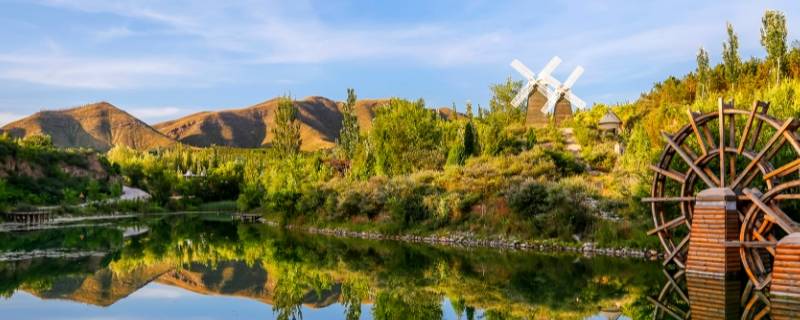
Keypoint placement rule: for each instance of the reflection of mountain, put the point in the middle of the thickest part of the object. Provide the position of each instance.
(104, 287)
(231, 278)
(235, 278)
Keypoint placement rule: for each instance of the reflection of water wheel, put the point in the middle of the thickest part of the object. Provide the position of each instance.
(727, 148)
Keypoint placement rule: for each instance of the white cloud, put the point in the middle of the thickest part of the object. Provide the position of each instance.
(89, 73)
(113, 33)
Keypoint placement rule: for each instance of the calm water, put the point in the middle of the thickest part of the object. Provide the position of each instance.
(208, 267)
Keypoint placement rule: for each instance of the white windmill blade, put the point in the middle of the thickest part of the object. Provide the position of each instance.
(549, 67)
(522, 94)
(523, 70)
(552, 99)
(544, 89)
(573, 77)
(577, 103)
(553, 82)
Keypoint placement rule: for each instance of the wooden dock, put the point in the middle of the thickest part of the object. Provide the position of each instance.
(30, 217)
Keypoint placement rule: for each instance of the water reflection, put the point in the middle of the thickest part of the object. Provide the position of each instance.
(699, 296)
(209, 266)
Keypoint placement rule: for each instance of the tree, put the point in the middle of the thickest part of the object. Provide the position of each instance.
(286, 131)
(406, 137)
(455, 112)
(730, 55)
(773, 38)
(469, 109)
(500, 105)
(702, 70)
(349, 135)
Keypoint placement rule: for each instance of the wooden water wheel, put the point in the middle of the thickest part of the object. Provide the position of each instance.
(749, 152)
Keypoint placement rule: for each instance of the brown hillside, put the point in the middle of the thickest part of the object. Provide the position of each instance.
(320, 123)
(99, 126)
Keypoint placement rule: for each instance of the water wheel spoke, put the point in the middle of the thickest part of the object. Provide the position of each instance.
(667, 199)
(747, 126)
(750, 166)
(669, 225)
(783, 170)
(674, 313)
(721, 149)
(671, 281)
(674, 175)
(700, 139)
(689, 161)
(670, 256)
(762, 239)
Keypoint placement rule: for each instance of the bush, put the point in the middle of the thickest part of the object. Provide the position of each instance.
(529, 199)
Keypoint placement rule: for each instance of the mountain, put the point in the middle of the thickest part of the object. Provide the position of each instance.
(98, 125)
(320, 122)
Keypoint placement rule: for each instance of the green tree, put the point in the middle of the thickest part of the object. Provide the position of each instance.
(500, 105)
(349, 136)
(703, 70)
(286, 131)
(37, 141)
(469, 109)
(405, 137)
(773, 38)
(730, 55)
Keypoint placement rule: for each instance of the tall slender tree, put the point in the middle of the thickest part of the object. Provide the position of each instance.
(469, 109)
(730, 55)
(702, 70)
(773, 38)
(349, 135)
(286, 130)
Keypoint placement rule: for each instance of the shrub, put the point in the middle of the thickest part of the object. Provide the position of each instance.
(529, 199)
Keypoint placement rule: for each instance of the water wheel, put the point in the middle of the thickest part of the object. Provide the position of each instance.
(743, 150)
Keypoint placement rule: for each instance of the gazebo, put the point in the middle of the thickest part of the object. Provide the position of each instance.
(610, 123)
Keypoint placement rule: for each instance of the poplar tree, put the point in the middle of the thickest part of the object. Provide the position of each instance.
(773, 38)
(286, 130)
(349, 134)
(730, 55)
(469, 109)
(702, 69)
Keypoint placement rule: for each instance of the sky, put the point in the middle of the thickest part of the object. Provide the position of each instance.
(160, 60)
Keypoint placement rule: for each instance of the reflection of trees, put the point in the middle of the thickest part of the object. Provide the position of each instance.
(401, 279)
(399, 301)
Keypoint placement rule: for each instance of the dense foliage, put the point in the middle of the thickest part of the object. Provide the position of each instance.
(34, 172)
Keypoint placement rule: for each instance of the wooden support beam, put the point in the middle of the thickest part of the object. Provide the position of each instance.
(747, 126)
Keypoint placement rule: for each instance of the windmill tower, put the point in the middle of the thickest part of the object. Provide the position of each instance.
(558, 100)
(535, 90)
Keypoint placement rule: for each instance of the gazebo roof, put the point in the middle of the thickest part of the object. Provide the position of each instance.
(610, 118)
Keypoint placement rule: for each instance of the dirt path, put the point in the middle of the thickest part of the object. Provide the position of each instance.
(569, 139)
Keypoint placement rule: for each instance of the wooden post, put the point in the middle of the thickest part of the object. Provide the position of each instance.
(786, 271)
(715, 222)
(712, 297)
(784, 307)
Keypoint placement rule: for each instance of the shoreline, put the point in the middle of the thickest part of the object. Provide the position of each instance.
(586, 248)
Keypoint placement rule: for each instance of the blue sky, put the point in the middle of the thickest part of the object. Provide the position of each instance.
(164, 59)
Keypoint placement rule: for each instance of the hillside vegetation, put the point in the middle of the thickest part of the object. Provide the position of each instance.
(399, 166)
(34, 172)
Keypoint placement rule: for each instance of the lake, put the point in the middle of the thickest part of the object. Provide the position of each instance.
(210, 267)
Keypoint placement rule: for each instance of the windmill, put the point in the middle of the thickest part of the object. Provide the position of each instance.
(563, 91)
(544, 100)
